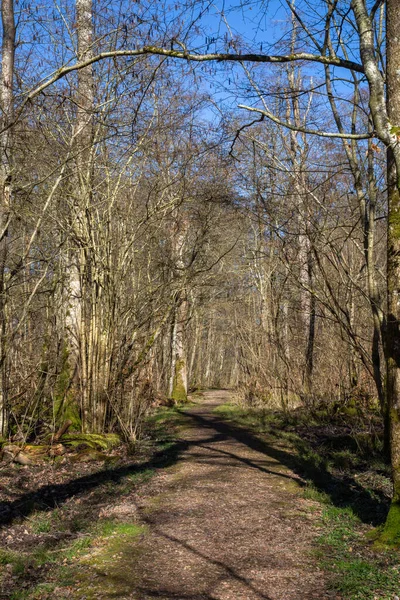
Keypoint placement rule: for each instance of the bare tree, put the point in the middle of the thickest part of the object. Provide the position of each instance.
(6, 182)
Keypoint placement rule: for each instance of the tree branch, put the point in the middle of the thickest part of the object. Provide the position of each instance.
(326, 134)
(190, 56)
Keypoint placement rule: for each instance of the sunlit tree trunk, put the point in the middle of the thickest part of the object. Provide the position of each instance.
(298, 157)
(80, 318)
(179, 375)
(385, 112)
(179, 381)
(393, 263)
(6, 177)
(193, 350)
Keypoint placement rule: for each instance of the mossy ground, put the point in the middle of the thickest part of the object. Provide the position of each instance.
(103, 568)
(96, 565)
(94, 441)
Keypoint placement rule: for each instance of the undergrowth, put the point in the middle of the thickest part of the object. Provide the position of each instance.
(70, 546)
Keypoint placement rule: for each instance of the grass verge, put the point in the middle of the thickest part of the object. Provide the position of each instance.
(347, 480)
(356, 571)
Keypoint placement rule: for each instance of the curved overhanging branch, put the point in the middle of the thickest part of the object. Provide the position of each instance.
(192, 56)
(326, 134)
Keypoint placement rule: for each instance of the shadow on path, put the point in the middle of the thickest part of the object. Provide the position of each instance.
(230, 572)
(342, 491)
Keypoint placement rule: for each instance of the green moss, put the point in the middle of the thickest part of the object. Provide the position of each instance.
(350, 411)
(90, 455)
(179, 393)
(394, 223)
(65, 405)
(322, 414)
(109, 528)
(106, 570)
(390, 535)
(93, 441)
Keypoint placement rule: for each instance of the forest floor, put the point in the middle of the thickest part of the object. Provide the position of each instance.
(213, 512)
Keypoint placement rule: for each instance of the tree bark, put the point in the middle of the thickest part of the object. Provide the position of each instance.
(392, 526)
(305, 260)
(179, 384)
(6, 168)
(179, 387)
(80, 319)
(385, 112)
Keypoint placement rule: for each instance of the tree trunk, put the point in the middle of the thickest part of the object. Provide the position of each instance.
(179, 387)
(178, 379)
(385, 113)
(308, 373)
(392, 526)
(80, 319)
(6, 166)
(298, 151)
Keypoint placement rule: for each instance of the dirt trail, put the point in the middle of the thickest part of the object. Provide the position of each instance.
(226, 523)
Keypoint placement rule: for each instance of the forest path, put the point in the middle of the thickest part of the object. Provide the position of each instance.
(225, 522)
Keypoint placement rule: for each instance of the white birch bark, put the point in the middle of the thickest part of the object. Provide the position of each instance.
(178, 393)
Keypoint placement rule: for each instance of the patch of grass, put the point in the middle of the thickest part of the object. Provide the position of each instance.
(107, 569)
(42, 590)
(164, 421)
(259, 419)
(65, 576)
(19, 595)
(21, 561)
(78, 523)
(312, 493)
(344, 459)
(42, 556)
(359, 579)
(142, 477)
(78, 547)
(17, 560)
(41, 522)
(355, 572)
(108, 528)
(6, 557)
(124, 529)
